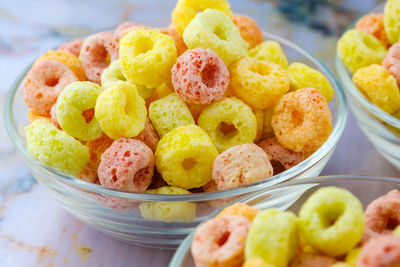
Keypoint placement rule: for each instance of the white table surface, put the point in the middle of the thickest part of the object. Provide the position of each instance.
(34, 229)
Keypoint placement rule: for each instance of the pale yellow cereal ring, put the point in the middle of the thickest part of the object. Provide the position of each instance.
(391, 20)
(269, 51)
(72, 102)
(147, 57)
(121, 111)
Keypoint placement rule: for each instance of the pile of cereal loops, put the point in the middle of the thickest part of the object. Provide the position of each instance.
(203, 105)
(371, 52)
(331, 230)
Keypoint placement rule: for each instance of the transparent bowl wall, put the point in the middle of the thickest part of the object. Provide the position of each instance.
(117, 213)
(382, 129)
(292, 195)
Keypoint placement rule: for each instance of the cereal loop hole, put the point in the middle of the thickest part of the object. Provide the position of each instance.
(220, 31)
(223, 239)
(143, 45)
(52, 81)
(209, 75)
(88, 114)
(188, 164)
(227, 129)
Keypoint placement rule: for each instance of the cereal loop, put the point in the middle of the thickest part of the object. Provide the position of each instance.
(74, 46)
(32, 116)
(120, 111)
(259, 113)
(248, 29)
(184, 157)
(302, 76)
(126, 27)
(373, 24)
(200, 77)
(281, 158)
(97, 52)
(313, 259)
(240, 165)
(221, 241)
(179, 43)
(392, 61)
(214, 30)
(76, 98)
(229, 122)
(44, 82)
(240, 209)
(260, 84)
(358, 49)
(391, 20)
(168, 211)
(147, 57)
(376, 83)
(53, 116)
(381, 251)
(148, 136)
(127, 165)
(383, 214)
(168, 113)
(269, 51)
(302, 120)
(68, 59)
(185, 11)
(55, 148)
(267, 127)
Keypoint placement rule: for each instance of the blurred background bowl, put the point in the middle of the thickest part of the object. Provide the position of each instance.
(381, 128)
(117, 213)
(291, 196)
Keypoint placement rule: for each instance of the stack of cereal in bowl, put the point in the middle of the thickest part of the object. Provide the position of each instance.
(146, 131)
(369, 67)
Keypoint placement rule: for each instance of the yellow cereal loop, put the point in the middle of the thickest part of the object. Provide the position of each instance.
(76, 98)
(256, 262)
(352, 256)
(268, 131)
(147, 57)
(113, 73)
(186, 10)
(358, 49)
(68, 59)
(120, 111)
(229, 122)
(168, 113)
(269, 51)
(391, 20)
(214, 30)
(184, 157)
(168, 211)
(303, 76)
(376, 83)
(260, 123)
(260, 84)
(55, 148)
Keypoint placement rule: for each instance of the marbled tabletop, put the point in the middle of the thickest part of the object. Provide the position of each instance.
(34, 229)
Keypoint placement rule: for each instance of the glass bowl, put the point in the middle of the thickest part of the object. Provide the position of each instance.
(381, 128)
(117, 213)
(291, 196)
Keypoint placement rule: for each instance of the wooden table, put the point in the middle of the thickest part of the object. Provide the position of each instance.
(34, 229)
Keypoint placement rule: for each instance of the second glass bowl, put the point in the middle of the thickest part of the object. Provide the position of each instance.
(117, 213)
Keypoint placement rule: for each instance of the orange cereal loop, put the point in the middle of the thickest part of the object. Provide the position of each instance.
(73, 46)
(171, 31)
(53, 115)
(160, 92)
(97, 52)
(281, 158)
(240, 209)
(249, 29)
(302, 120)
(32, 116)
(96, 148)
(70, 60)
(44, 82)
(373, 24)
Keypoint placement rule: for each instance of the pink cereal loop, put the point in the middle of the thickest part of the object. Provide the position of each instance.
(149, 135)
(127, 165)
(73, 46)
(383, 214)
(94, 54)
(221, 241)
(382, 251)
(44, 82)
(200, 76)
(392, 61)
(281, 158)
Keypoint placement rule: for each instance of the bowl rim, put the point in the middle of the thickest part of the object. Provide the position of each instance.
(346, 79)
(181, 251)
(327, 147)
